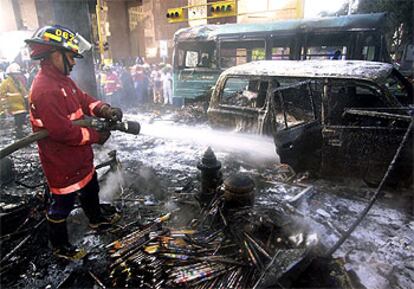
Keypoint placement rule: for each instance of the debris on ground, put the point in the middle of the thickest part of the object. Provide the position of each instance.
(160, 176)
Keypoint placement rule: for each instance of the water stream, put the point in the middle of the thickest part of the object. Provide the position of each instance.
(259, 147)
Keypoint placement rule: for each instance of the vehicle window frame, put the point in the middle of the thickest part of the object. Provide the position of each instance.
(277, 91)
(249, 78)
(408, 88)
(356, 82)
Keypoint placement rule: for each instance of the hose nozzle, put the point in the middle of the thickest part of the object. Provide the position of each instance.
(131, 127)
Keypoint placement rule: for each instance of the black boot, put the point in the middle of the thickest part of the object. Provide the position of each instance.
(58, 236)
(103, 223)
(90, 205)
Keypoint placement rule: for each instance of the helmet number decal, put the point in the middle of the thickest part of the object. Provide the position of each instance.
(64, 34)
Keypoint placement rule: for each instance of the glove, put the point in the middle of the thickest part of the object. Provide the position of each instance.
(111, 113)
(103, 136)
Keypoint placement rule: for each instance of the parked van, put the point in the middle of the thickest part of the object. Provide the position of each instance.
(329, 116)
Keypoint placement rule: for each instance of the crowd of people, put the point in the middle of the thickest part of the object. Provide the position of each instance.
(129, 86)
(124, 86)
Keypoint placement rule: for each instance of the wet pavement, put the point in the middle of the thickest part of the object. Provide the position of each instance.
(161, 162)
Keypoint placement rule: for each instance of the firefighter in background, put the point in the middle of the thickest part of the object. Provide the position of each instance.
(66, 154)
(112, 85)
(13, 94)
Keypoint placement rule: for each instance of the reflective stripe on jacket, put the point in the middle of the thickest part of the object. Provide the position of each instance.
(66, 154)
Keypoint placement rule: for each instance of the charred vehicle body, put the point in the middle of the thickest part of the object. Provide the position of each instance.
(201, 53)
(332, 117)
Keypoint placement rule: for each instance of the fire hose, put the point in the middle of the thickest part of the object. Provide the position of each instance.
(130, 127)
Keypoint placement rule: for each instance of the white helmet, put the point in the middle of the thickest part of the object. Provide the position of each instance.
(13, 68)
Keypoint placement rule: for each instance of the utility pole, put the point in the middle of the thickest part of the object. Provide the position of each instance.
(99, 25)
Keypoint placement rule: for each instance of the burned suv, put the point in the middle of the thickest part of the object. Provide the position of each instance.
(329, 116)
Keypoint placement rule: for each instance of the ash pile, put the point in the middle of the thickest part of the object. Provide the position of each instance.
(22, 205)
(20, 223)
(230, 243)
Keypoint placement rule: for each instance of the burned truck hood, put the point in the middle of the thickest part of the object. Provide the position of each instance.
(355, 69)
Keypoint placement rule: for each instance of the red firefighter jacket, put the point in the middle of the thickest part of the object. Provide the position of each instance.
(66, 154)
(112, 83)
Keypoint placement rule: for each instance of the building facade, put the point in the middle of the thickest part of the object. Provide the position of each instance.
(139, 28)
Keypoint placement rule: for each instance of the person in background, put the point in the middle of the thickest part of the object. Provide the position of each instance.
(138, 77)
(112, 85)
(337, 55)
(66, 154)
(127, 92)
(33, 70)
(167, 84)
(13, 94)
(2, 74)
(156, 77)
(147, 96)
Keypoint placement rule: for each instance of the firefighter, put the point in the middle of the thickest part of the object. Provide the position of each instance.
(13, 94)
(112, 85)
(66, 154)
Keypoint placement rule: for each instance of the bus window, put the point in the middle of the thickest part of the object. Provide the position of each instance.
(180, 58)
(369, 44)
(204, 60)
(195, 54)
(327, 46)
(325, 52)
(235, 53)
(258, 54)
(368, 53)
(241, 56)
(283, 46)
(280, 53)
(191, 59)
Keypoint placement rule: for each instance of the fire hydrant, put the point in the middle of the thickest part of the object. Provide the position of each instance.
(211, 176)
